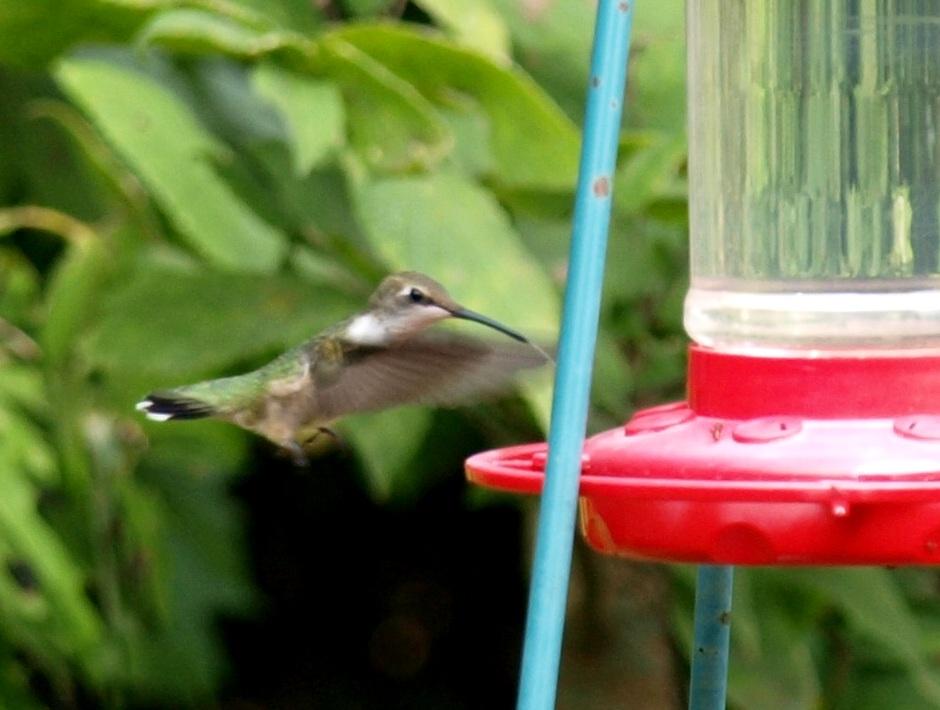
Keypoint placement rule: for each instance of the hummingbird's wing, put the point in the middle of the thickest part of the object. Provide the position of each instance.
(426, 369)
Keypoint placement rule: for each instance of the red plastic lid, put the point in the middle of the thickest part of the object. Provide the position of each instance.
(857, 384)
(772, 486)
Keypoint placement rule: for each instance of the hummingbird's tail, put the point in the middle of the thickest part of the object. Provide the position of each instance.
(210, 398)
(167, 405)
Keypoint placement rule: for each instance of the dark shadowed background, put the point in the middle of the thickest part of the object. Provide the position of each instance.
(188, 187)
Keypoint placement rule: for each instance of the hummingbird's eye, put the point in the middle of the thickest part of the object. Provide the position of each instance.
(415, 295)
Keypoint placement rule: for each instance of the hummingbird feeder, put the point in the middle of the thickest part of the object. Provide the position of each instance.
(811, 431)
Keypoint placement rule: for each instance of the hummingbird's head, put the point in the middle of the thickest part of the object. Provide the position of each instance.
(408, 302)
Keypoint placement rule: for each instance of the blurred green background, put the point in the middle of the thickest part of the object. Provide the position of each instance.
(189, 187)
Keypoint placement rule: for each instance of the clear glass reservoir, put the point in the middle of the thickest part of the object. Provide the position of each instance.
(814, 172)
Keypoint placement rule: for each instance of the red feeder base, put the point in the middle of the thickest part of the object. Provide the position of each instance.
(772, 461)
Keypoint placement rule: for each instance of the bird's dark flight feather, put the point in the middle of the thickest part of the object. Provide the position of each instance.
(430, 369)
(175, 407)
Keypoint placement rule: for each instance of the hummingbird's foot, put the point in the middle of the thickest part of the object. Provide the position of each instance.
(325, 430)
(297, 454)
(322, 430)
(341, 443)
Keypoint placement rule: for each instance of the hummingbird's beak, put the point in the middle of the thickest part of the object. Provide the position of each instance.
(467, 314)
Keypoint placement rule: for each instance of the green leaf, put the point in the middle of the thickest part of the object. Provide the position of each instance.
(781, 674)
(119, 186)
(639, 260)
(318, 267)
(534, 144)
(25, 448)
(200, 32)
(613, 377)
(313, 111)
(553, 41)
(191, 31)
(472, 153)
(453, 230)
(233, 109)
(879, 688)
(771, 661)
(33, 32)
(22, 386)
(657, 67)
(473, 23)
(206, 574)
(299, 15)
(660, 366)
(72, 295)
(251, 13)
(650, 170)
(387, 444)
(198, 323)
(319, 206)
(171, 152)
(365, 8)
(198, 450)
(874, 605)
(57, 611)
(549, 240)
(19, 288)
(15, 690)
(410, 133)
(46, 161)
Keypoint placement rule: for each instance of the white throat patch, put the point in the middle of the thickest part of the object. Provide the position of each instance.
(367, 330)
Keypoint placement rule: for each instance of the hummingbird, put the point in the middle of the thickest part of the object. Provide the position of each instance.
(376, 359)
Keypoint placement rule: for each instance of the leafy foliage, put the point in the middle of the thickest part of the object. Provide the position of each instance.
(193, 185)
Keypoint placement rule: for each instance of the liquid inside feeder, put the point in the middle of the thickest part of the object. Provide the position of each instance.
(814, 174)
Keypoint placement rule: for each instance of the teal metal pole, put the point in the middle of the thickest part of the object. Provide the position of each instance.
(712, 635)
(549, 591)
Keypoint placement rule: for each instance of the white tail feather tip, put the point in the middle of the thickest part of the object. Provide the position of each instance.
(157, 417)
(143, 405)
